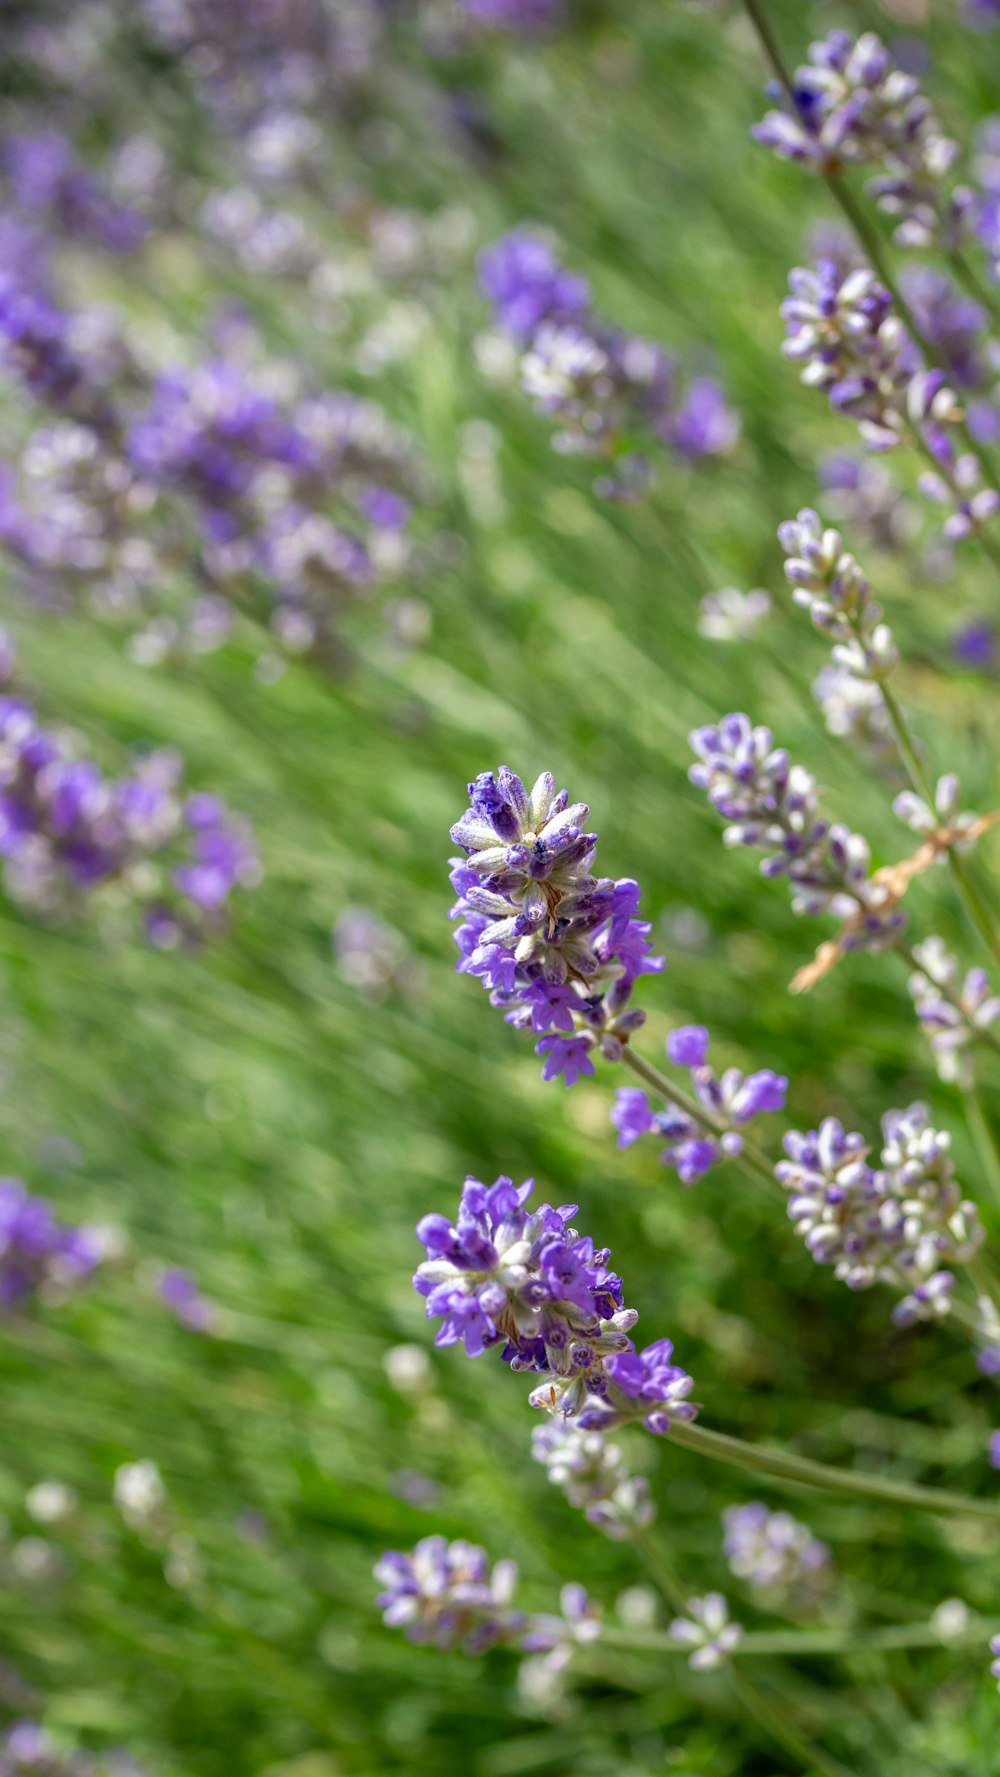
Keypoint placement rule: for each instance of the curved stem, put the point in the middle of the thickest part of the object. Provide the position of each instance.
(782, 1465)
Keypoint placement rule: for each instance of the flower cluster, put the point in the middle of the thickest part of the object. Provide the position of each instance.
(773, 806)
(708, 1631)
(773, 1552)
(995, 1450)
(694, 1143)
(903, 1223)
(504, 1274)
(951, 1010)
(828, 582)
(610, 394)
(40, 1256)
(854, 709)
(138, 489)
(66, 831)
(944, 818)
(558, 949)
(593, 1476)
(53, 190)
(27, 1750)
(988, 1337)
(731, 615)
(842, 328)
(995, 1668)
(445, 1596)
(851, 104)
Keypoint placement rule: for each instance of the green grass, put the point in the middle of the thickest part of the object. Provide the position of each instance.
(245, 1114)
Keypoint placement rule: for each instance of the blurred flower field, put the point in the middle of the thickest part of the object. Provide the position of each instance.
(290, 557)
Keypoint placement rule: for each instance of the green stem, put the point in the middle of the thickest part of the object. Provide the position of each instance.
(977, 913)
(818, 1643)
(751, 1156)
(781, 1465)
(777, 1725)
(661, 1572)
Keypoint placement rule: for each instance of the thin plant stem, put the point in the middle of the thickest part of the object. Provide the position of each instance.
(819, 1643)
(661, 1572)
(775, 1723)
(782, 1465)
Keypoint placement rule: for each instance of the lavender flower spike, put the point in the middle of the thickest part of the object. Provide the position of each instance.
(504, 1273)
(828, 582)
(904, 1223)
(444, 1595)
(773, 806)
(774, 1553)
(38, 1255)
(592, 1474)
(708, 1631)
(951, 1028)
(558, 949)
(995, 1668)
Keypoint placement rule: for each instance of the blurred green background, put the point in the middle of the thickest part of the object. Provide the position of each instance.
(247, 1114)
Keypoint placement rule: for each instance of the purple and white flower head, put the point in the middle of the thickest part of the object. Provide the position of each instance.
(904, 1223)
(626, 1387)
(774, 1553)
(854, 709)
(829, 584)
(578, 1625)
(995, 1450)
(951, 1027)
(733, 616)
(502, 1273)
(915, 813)
(593, 1476)
(730, 1103)
(39, 1256)
(861, 492)
(773, 806)
(610, 394)
(852, 105)
(66, 831)
(852, 345)
(708, 1631)
(444, 1595)
(958, 484)
(995, 1650)
(51, 186)
(558, 949)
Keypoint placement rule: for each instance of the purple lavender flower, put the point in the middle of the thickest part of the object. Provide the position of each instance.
(902, 1224)
(66, 830)
(210, 432)
(852, 345)
(38, 1255)
(443, 1595)
(527, 285)
(502, 1273)
(774, 1553)
(707, 1631)
(976, 645)
(851, 104)
(951, 1028)
(610, 394)
(980, 15)
(179, 1291)
(694, 1146)
(995, 1668)
(773, 806)
(558, 949)
(640, 1385)
(828, 582)
(592, 1474)
(527, 17)
(995, 1453)
(51, 185)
